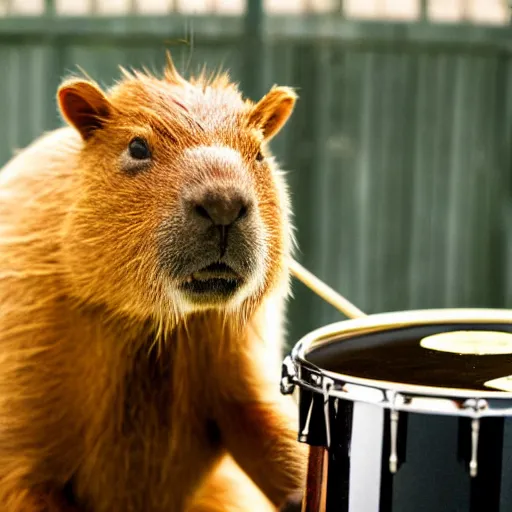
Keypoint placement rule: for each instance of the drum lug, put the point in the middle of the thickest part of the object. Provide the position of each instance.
(393, 455)
(475, 430)
(393, 431)
(477, 406)
(288, 376)
(327, 385)
(303, 437)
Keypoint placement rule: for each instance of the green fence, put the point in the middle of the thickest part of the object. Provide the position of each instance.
(399, 150)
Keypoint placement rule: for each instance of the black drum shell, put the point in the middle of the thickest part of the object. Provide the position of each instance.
(434, 450)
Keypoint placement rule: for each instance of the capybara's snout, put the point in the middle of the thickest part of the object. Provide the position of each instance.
(216, 209)
(215, 244)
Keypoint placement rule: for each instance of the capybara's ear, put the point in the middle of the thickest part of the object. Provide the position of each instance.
(83, 105)
(273, 110)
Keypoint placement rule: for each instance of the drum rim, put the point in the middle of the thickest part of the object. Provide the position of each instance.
(330, 333)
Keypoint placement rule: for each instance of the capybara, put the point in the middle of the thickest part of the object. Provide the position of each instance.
(143, 285)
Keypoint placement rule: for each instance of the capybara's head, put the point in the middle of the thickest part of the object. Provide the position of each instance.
(179, 204)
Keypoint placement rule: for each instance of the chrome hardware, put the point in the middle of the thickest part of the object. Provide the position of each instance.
(473, 464)
(477, 405)
(288, 375)
(305, 431)
(393, 429)
(393, 456)
(326, 389)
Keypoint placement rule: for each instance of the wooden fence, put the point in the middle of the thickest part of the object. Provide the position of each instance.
(398, 153)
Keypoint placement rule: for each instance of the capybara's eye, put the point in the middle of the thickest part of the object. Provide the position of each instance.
(139, 149)
(259, 156)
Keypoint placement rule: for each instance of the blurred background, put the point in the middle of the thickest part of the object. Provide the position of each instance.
(398, 153)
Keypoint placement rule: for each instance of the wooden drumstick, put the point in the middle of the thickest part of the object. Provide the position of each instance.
(325, 291)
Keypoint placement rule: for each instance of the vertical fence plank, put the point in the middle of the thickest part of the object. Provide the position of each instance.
(424, 10)
(366, 219)
(5, 114)
(16, 109)
(49, 7)
(418, 264)
(456, 178)
(253, 77)
(342, 144)
(280, 64)
(349, 77)
(326, 229)
(341, 8)
(501, 270)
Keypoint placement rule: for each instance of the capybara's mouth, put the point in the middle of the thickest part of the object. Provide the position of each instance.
(215, 279)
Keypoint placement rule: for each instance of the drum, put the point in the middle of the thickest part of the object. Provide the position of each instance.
(407, 412)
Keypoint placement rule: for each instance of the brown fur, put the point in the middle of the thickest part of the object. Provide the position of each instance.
(115, 395)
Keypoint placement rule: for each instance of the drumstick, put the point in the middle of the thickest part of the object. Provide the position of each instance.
(324, 291)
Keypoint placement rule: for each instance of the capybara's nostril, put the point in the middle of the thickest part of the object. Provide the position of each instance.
(222, 209)
(201, 211)
(243, 212)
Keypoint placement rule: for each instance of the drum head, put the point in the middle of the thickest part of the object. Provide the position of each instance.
(408, 356)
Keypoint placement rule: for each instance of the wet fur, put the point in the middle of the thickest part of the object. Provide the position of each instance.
(114, 395)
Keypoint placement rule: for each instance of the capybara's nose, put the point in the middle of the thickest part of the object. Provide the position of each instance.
(221, 208)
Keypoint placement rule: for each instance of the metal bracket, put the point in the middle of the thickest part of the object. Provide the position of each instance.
(393, 429)
(327, 385)
(288, 376)
(393, 456)
(475, 431)
(477, 406)
(303, 437)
